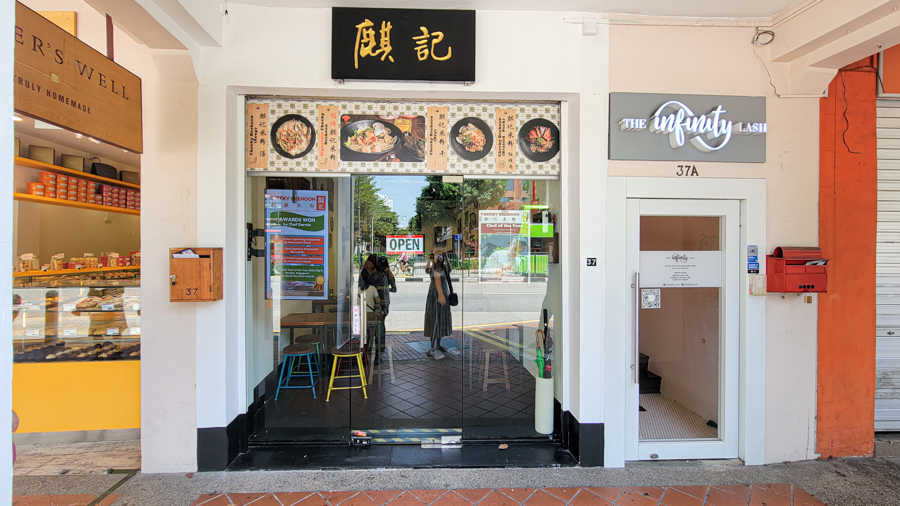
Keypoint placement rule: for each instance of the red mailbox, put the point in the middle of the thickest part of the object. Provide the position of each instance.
(796, 270)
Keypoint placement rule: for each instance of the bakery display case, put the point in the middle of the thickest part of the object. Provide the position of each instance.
(76, 318)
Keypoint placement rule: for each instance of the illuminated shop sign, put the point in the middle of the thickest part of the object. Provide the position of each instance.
(697, 128)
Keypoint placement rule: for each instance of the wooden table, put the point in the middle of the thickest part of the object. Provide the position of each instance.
(318, 306)
(329, 321)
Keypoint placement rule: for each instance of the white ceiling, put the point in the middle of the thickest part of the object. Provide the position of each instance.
(687, 8)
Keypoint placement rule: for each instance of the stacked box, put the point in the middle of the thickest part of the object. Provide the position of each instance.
(36, 189)
(47, 179)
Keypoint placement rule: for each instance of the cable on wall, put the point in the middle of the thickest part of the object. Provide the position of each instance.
(763, 37)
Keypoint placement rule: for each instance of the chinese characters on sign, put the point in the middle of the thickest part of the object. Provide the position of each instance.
(257, 136)
(422, 48)
(505, 148)
(365, 41)
(328, 149)
(437, 138)
(403, 44)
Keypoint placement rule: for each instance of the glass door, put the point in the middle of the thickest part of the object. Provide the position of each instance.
(405, 258)
(298, 305)
(683, 400)
(509, 265)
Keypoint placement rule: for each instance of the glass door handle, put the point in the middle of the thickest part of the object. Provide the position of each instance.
(635, 338)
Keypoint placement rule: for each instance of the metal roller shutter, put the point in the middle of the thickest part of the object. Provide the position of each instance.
(887, 355)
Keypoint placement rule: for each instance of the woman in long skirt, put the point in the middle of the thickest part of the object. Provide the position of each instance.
(438, 320)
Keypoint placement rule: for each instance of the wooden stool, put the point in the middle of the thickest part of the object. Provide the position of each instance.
(487, 368)
(340, 355)
(390, 355)
(293, 358)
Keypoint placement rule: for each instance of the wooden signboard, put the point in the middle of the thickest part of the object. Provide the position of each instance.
(257, 136)
(436, 143)
(505, 147)
(329, 138)
(63, 81)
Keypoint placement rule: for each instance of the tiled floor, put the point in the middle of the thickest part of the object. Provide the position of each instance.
(76, 458)
(63, 500)
(425, 392)
(778, 494)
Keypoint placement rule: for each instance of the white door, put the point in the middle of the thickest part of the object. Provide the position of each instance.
(683, 257)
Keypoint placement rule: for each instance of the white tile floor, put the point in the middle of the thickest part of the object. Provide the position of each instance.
(666, 419)
(76, 458)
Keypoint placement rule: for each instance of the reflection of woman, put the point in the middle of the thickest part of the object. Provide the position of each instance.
(438, 320)
(370, 294)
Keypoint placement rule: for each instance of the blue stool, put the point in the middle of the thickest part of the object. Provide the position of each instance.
(293, 362)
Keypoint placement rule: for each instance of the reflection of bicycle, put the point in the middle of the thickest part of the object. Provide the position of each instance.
(401, 267)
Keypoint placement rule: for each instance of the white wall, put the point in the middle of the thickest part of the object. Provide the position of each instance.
(7, 24)
(576, 75)
(720, 61)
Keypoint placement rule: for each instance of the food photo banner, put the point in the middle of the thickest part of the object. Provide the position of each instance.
(403, 44)
(406, 137)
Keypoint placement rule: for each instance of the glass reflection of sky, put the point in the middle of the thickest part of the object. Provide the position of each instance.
(403, 190)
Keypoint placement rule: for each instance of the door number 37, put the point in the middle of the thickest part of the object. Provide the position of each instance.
(687, 170)
(191, 291)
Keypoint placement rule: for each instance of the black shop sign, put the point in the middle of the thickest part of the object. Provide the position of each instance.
(403, 44)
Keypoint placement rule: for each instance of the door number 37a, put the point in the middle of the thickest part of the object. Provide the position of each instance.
(191, 291)
(687, 170)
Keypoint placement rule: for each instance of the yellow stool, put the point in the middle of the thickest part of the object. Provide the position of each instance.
(338, 355)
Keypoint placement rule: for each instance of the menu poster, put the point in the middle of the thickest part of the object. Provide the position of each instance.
(503, 246)
(297, 244)
(505, 150)
(329, 138)
(257, 136)
(437, 138)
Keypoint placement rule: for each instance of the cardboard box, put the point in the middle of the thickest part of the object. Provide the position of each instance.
(42, 154)
(32, 187)
(47, 178)
(72, 162)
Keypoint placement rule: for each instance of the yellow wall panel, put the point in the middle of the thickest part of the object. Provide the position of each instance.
(71, 396)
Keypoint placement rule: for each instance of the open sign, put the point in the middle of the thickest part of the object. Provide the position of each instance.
(409, 244)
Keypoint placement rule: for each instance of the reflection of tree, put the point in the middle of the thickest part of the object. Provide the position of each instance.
(441, 203)
(368, 206)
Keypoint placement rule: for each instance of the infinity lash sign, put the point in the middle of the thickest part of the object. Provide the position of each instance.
(708, 132)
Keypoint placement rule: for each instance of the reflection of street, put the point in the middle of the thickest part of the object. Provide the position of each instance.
(479, 304)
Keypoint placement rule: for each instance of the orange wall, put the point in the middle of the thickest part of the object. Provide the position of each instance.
(75, 396)
(847, 227)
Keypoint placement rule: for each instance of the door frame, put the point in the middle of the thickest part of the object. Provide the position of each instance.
(751, 411)
(729, 331)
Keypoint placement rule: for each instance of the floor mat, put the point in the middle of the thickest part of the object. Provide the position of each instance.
(424, 346)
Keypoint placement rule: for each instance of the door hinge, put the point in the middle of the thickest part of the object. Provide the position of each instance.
(252, 234)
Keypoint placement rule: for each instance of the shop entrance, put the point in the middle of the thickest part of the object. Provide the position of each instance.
(683, 384)
(348, 286)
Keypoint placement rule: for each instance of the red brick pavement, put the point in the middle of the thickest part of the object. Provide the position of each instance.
(777, 494)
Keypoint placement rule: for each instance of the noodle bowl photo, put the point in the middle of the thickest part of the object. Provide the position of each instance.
(293, 136)
(367, 140)
(471, 139)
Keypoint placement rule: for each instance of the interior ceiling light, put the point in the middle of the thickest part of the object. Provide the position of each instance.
(16, 118)
(78, 136)
(95, 141)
